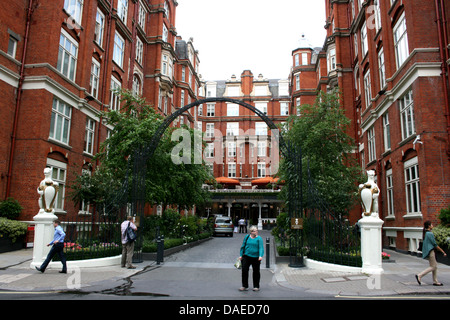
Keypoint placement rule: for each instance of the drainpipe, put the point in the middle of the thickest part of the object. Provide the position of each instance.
(443, 54)
(18, 99)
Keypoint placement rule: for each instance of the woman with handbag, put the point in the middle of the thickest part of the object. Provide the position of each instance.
(252, 251)
(428, 252)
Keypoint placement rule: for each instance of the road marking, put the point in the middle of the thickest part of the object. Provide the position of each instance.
(8, 278)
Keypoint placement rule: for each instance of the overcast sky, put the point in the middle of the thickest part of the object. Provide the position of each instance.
(234, 35)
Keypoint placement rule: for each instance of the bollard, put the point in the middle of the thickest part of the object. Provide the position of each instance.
(267, 253)
(159, 250)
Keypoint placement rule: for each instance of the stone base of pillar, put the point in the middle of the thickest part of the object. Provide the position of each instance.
(43, 235)
(371, 246)
(260, 224)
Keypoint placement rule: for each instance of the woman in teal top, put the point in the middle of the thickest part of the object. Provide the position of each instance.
(252, 251)
(428, 252)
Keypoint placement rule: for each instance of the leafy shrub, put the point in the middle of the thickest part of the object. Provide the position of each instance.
(10, 209)
(444, 216)
(12, 229)
(442, 236)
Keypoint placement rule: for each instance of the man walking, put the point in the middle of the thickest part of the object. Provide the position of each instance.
(57, 248)
(127, 245)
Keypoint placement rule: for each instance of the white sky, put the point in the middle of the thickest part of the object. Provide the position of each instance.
(235, 35)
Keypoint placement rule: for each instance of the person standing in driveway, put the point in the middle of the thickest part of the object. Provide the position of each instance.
(57, 248)
(428, 252)
(127, 246)
(252, 252)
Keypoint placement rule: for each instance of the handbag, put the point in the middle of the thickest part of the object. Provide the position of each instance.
(238, 263)
(131, 235)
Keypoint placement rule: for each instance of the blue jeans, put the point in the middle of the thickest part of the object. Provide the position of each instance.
(57, 248)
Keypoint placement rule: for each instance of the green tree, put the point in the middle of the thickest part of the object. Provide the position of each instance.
(328, 152)
(166, 182)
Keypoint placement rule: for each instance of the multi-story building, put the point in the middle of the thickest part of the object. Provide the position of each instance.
(241, 150)
(390, 60)
(60, 62)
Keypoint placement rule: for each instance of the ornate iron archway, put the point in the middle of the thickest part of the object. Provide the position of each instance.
(290, 152)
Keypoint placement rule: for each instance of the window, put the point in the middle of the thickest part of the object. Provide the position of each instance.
(166, 9)
(74, 8)
(296, 60)
(232, 128)
(331, 59)
(12, 47)
(167, 65)
(386, 132)
(60, 122)
(139, 50)
(304, 58)
(119, 50)
(284, 108)
(122, 10)
(114, 104)
(261, 169)
(260, 129)
(261, 106)
(165, 35)
(297, 82)
(209, 150)
(262, 149)
(99, 27)
(231, 149)
(232, 110)
(381, 68)
(59, 170)
(232, 170)
(136, 89)
(210, 130)
(371, 144)
(401, 41)
(412, 185)
(377, 14)
(89, 136)
(210, 110)
(364, 40)
(95, 78)
(406, 105)
(389, 193)
(67, 55)
(367, 89)
(142, 16)
(85, 205)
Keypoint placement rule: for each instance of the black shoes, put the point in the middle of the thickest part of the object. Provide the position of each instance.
(39, 269)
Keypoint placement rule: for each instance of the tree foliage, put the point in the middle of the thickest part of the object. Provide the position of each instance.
(327, 153)
(166, 183)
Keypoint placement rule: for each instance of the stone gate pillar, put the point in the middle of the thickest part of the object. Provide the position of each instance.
(370, 225)
(44, 230)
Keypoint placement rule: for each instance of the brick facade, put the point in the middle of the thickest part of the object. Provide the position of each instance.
(389, 59)
(109, 44)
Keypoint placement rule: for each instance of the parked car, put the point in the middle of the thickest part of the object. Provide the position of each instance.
(223, 225)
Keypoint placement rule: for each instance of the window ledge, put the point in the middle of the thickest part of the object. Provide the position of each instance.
(415, 215)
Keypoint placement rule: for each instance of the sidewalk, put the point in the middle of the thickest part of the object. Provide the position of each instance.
(397, 279)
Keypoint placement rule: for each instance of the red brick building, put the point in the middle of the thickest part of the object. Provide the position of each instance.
(59, 64)
(241, 150)
(390, 59)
